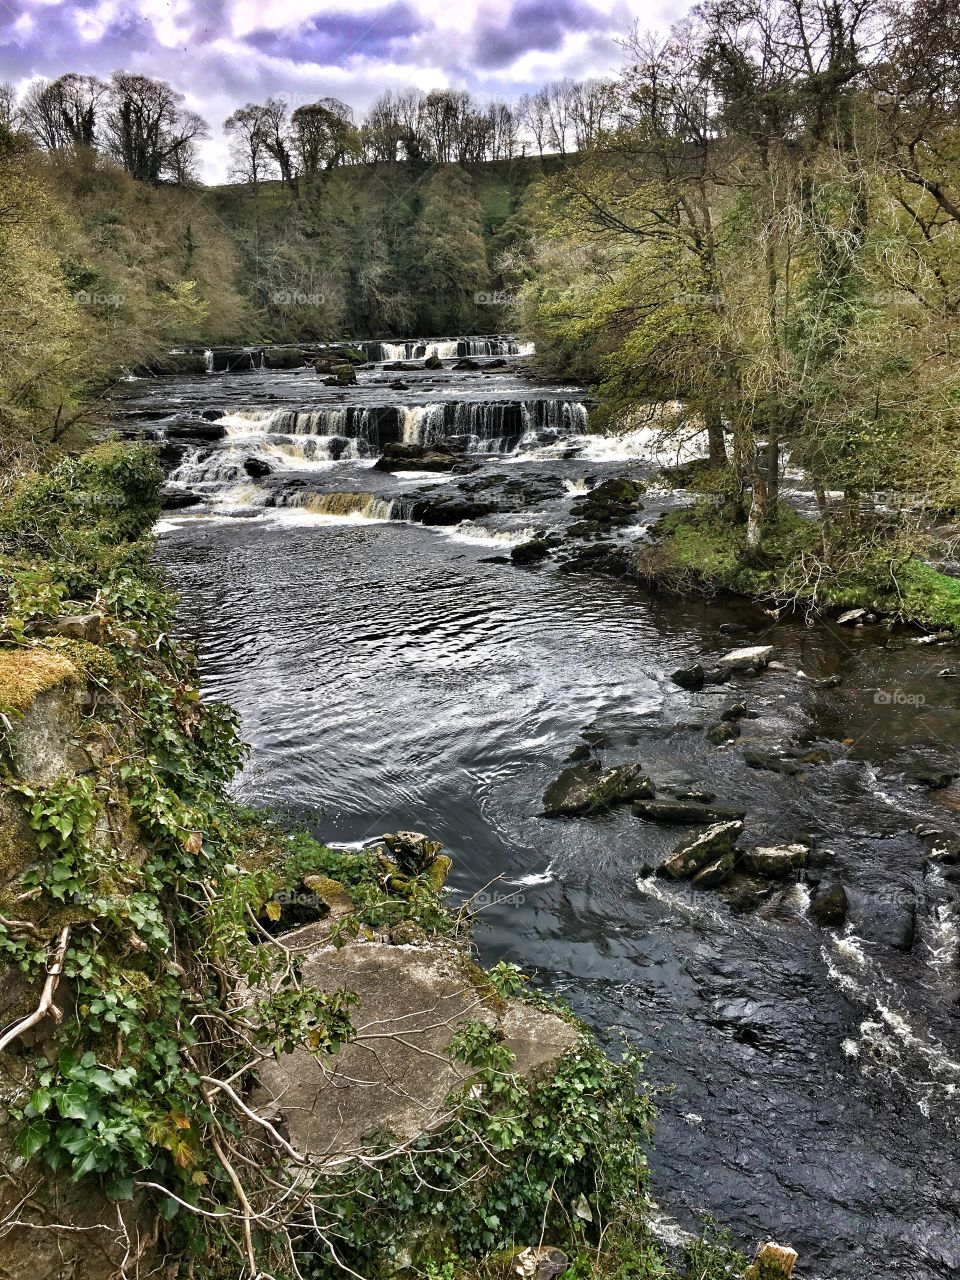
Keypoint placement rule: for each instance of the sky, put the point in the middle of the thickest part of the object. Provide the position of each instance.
(223, 53)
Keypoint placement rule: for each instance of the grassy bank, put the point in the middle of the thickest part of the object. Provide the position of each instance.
(702, 550)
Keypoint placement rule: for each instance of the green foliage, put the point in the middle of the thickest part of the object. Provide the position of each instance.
(86, 510)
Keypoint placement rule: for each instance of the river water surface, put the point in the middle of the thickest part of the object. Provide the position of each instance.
(392, 675)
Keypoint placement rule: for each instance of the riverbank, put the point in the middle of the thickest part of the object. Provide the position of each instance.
(150, 984)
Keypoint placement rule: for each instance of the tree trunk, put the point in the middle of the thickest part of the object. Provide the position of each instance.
(716, 441)
(759, 508)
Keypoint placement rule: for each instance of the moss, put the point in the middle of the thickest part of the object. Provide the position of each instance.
(18, 845)
(26, 673)
(92, 660)
(483, 985)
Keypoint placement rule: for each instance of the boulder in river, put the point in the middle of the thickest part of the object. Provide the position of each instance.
(776, 862)
(752, 658)
(692, 677)
(934, 774)
(715, 873)
(723, 731)
(774, 762)
(433, 362)
(830, 906)
(683, 812)
(256, 467)
(530, 552)
(175, 498)
(588, 788)
(200, 430)
(700, 850)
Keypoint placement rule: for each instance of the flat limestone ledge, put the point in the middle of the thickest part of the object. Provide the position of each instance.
(396, 1076)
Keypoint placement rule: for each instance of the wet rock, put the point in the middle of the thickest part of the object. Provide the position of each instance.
(176, 362)
(716, 873)
(828, 682)
(465, 364)
(283, 358)
(738, 711)
(683, 812)
(401, 366)
(175, 498)
(852, 616)
(579, 753)
(751, 658)
(198, 430)
(830, 906)
(588, 788)
(774, 762)
(723, 731)
(433, 362)
(343, 375)
(530, 552)
(693, 677)
(944, 847)
(257, 468)
(443, 509)
(932, 774)
(776, 862)
(701, 850)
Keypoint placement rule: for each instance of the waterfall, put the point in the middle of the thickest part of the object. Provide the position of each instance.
(364, 506)
(487, 347)
(423, 423)
(208, 356)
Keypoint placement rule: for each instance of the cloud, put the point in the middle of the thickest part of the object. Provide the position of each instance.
(534, 25)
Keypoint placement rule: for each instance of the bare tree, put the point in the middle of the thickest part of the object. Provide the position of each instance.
(63, 113)
(249, 131)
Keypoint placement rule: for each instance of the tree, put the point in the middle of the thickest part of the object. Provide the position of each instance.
(324, 136)
(148, 131)
(249, 130)
(63, 113)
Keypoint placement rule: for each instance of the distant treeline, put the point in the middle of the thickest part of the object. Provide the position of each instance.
(142, 125)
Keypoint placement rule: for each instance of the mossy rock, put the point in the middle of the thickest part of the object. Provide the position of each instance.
(27, 673)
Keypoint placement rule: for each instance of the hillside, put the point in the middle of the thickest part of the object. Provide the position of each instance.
(375, 250)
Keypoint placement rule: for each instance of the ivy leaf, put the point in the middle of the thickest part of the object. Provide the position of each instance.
(35, 1136)
(41, 1100)
(74, 1102)
(120, 1189)
(273, 910)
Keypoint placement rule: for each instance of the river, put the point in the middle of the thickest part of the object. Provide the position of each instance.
(390, 674)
